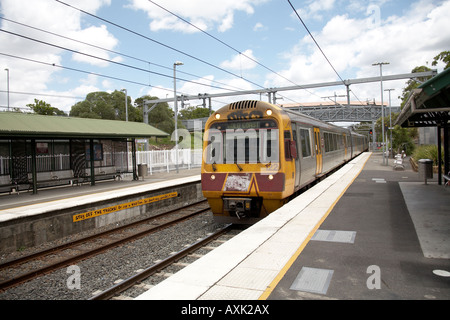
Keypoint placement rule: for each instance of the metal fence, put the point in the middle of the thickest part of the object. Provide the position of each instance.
(165, 160)
(156, 160)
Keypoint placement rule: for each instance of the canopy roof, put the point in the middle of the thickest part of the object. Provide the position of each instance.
(16, 124)
(429, 104)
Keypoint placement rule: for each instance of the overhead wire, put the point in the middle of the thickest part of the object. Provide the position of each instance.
(157, 42)
(108, 60)
(312, 37)
(318, 46)
(230, 47)
(169, 47)
(112, 51)
(42, 94)
(81, 71)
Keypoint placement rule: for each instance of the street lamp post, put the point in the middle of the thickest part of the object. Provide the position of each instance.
(177, 63)
(7, 84)
(390, 118)
(126, 103)
(385, 162)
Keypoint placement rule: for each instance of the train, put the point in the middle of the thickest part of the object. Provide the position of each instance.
(257, 156)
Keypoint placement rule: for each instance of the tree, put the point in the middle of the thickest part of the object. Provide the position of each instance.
(104, 105)
(42, 107)
(412, 84)
(161, 116)
(402, 138)
(194, 113)
(444, 56)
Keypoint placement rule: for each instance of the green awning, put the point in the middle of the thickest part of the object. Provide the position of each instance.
(16, 124)
(429, 104)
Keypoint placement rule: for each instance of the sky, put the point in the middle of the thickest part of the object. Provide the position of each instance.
(59, 51)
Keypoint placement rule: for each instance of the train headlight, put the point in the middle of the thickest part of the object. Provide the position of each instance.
(217, 116)
(269, 112)
(213, 177)
(270, 177)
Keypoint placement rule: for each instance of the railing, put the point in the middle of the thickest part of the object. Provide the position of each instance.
(156, 160)
(165, 160)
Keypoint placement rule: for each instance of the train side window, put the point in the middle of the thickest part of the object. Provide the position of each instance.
(327, 141)
(306, 143)
(287, 146)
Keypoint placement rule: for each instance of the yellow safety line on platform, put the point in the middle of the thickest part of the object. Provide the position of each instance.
(291, 261)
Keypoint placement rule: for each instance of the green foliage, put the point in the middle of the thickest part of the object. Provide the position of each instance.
(161, 116)
(44, 108)
(402, 138)
(104, 105)
(413, 84)
(194, 113)
(444, 56)
(427, 152)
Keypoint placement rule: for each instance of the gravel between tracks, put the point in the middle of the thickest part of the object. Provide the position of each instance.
(100, 272)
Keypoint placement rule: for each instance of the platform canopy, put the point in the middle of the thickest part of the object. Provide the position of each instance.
(16, 124)
(429, 104)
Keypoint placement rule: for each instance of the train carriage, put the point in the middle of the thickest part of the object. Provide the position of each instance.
(256, 156)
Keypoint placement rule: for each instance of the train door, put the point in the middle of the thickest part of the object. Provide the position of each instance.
(297, 159)
(345, 145)
(319, 163)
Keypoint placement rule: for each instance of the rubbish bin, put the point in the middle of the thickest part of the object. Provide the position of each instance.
(425, 169)
(142, 170)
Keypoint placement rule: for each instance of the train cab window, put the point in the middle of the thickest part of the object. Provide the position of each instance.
(254, 141)
(306, 143)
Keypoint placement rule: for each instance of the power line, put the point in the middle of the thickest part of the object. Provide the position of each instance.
(108, 60)
(229, 46)
(312, 37)
(318, 46)
(112, 51)
(42, 94)
(158, 42)
(82, 71)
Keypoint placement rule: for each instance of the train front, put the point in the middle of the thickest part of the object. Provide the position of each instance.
(241, 168)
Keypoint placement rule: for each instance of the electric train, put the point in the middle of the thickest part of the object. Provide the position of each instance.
(257, 156)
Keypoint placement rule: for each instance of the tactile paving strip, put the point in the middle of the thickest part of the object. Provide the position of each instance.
(334, 236)
(312, 280)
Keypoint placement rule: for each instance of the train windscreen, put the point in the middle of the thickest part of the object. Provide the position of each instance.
(252, 141)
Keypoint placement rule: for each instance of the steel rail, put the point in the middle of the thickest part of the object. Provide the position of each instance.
(131, 281)
(45, 252)
(66, 262)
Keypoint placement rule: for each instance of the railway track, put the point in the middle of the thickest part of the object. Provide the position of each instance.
(159, 266)
(23, 269)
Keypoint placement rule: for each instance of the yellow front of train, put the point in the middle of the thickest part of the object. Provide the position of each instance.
(247, 168)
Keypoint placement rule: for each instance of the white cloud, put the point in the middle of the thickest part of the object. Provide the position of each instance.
(258, 27)
(205, 14)
(99, 36)
(354, 44)
(240, 61)
(56, 18)
(315, 8)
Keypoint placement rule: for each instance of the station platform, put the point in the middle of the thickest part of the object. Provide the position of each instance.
(365, 232)
(28, 220)
(24, 198)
